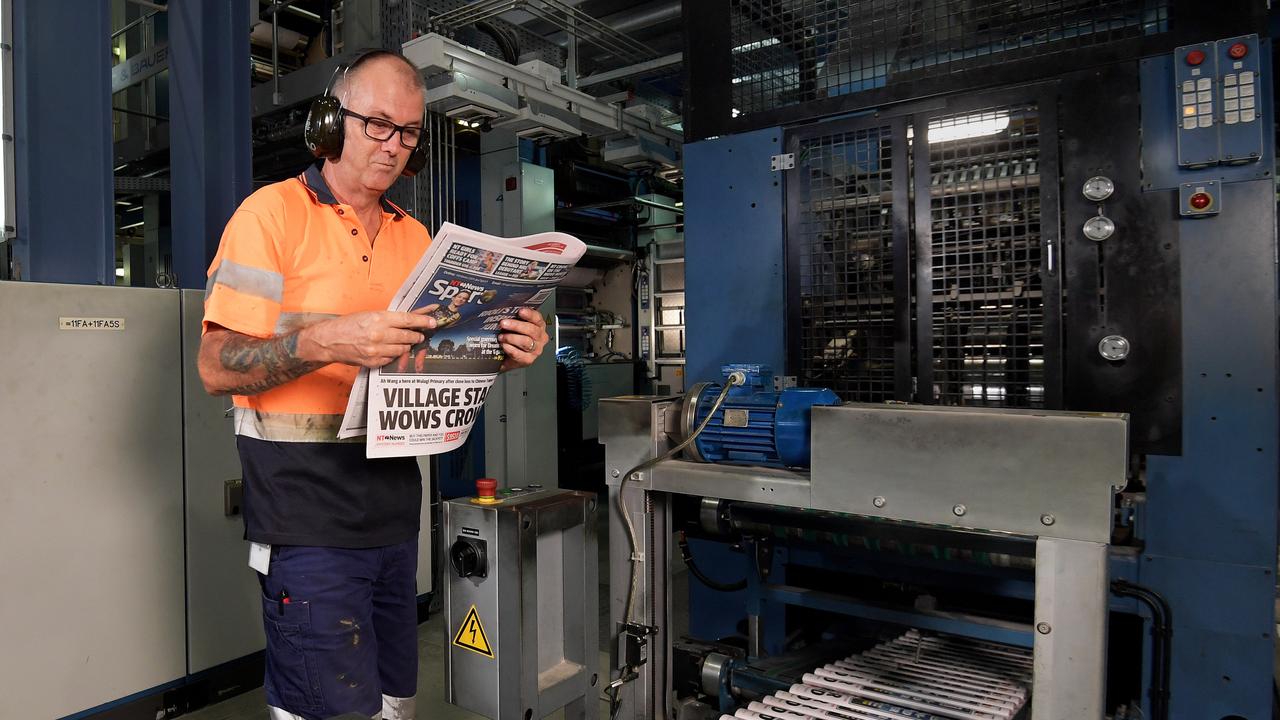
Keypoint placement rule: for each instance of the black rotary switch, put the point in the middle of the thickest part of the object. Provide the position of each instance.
(468, 558)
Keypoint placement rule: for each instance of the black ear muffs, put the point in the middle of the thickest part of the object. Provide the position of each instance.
(323, 133)
(418, 158)
(324, 130)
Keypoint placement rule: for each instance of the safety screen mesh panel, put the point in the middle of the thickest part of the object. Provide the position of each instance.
(786, 52)
(987, 313)
(845, 263)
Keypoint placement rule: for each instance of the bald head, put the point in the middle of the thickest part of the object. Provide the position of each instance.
(385, 68)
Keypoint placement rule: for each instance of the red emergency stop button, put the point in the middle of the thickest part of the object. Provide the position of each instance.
(1200, 201)
(1195, 57)
(486, 488)
(1238, 50)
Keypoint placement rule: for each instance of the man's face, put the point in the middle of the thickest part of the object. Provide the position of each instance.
(459, 300)
(383, 89)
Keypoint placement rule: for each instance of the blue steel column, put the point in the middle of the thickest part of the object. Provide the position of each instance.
(62, 150)
(209, 122)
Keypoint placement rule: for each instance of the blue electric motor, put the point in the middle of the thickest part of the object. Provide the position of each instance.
(755, 424)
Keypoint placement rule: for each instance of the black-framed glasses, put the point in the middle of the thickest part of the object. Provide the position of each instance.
(382, 130)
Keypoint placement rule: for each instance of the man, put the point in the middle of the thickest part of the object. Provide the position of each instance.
(295, 305)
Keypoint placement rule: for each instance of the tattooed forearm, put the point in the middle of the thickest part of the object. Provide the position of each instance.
(263, 364)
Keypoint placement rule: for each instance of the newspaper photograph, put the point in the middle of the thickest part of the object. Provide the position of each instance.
(426, 401)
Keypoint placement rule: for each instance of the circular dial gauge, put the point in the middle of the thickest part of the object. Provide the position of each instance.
(1114, 347)
(1099, 228)
(1098, 188)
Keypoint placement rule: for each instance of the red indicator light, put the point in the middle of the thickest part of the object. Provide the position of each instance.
(1238, 50)
(1195, 57)
(1200, 201)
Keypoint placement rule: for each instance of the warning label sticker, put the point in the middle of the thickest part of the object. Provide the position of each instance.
(471, 635)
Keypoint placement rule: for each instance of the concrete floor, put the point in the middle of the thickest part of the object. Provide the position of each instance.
(431, 648)
(431, 704)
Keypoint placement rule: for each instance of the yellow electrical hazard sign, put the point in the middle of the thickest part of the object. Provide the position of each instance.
(471, 635)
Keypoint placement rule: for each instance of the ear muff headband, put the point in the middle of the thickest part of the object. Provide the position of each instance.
(324, 131)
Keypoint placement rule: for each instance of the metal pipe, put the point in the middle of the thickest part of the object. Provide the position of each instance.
(755, 637)
(276, 98)
(628, 20)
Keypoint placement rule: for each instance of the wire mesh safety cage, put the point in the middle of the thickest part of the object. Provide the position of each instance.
(844, 230)
(987, 319)
(786, 52)
(968, 271)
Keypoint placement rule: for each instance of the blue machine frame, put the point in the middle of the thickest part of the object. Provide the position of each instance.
(1209, 524)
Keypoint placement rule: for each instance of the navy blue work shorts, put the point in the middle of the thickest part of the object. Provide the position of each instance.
(342, 628)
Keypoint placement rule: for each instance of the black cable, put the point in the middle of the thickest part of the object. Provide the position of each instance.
(1161, 645)
(687, 554)
(506, 43)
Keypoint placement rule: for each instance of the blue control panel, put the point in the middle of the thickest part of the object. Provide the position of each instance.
(1218, 110)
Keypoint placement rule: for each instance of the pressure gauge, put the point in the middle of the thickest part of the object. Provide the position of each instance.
(1114, 348)
(1099, 228)
(1098, 188)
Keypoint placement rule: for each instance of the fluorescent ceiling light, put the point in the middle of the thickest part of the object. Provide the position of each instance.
(768, 42)
(966, 127)
(131, 225)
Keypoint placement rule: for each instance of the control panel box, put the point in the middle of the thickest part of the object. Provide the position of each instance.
(1218, 110)
(521, 602)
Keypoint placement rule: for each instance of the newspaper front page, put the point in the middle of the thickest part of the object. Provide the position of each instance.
(426, 401)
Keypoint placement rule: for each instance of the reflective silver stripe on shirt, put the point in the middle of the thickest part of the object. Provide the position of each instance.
(289, 427)
(248, 280)
(397, 708)
(289, 322)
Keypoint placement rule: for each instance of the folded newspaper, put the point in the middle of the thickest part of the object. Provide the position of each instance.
(426, 401)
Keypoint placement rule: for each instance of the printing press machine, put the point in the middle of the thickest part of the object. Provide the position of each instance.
(1004, 492)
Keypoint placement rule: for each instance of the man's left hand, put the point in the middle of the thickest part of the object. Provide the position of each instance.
(523, 339)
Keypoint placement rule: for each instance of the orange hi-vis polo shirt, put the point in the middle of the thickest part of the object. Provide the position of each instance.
(290, 256)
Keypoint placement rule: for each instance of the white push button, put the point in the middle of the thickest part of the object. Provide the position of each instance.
(1205, 96)
(1247, 116)
(1246, 90)
(1229, 79)
(1204, 84)
(1247, 103)
(1189, 124)
(1188, 86)
(1231, 118)
(1246, 77)
(1205, 109)
(1230, 92)
(1205, 121)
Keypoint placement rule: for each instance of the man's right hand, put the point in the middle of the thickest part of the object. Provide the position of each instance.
(365, 339)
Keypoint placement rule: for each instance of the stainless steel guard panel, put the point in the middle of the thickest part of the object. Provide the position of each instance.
(731, 482)
(1028, 472)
